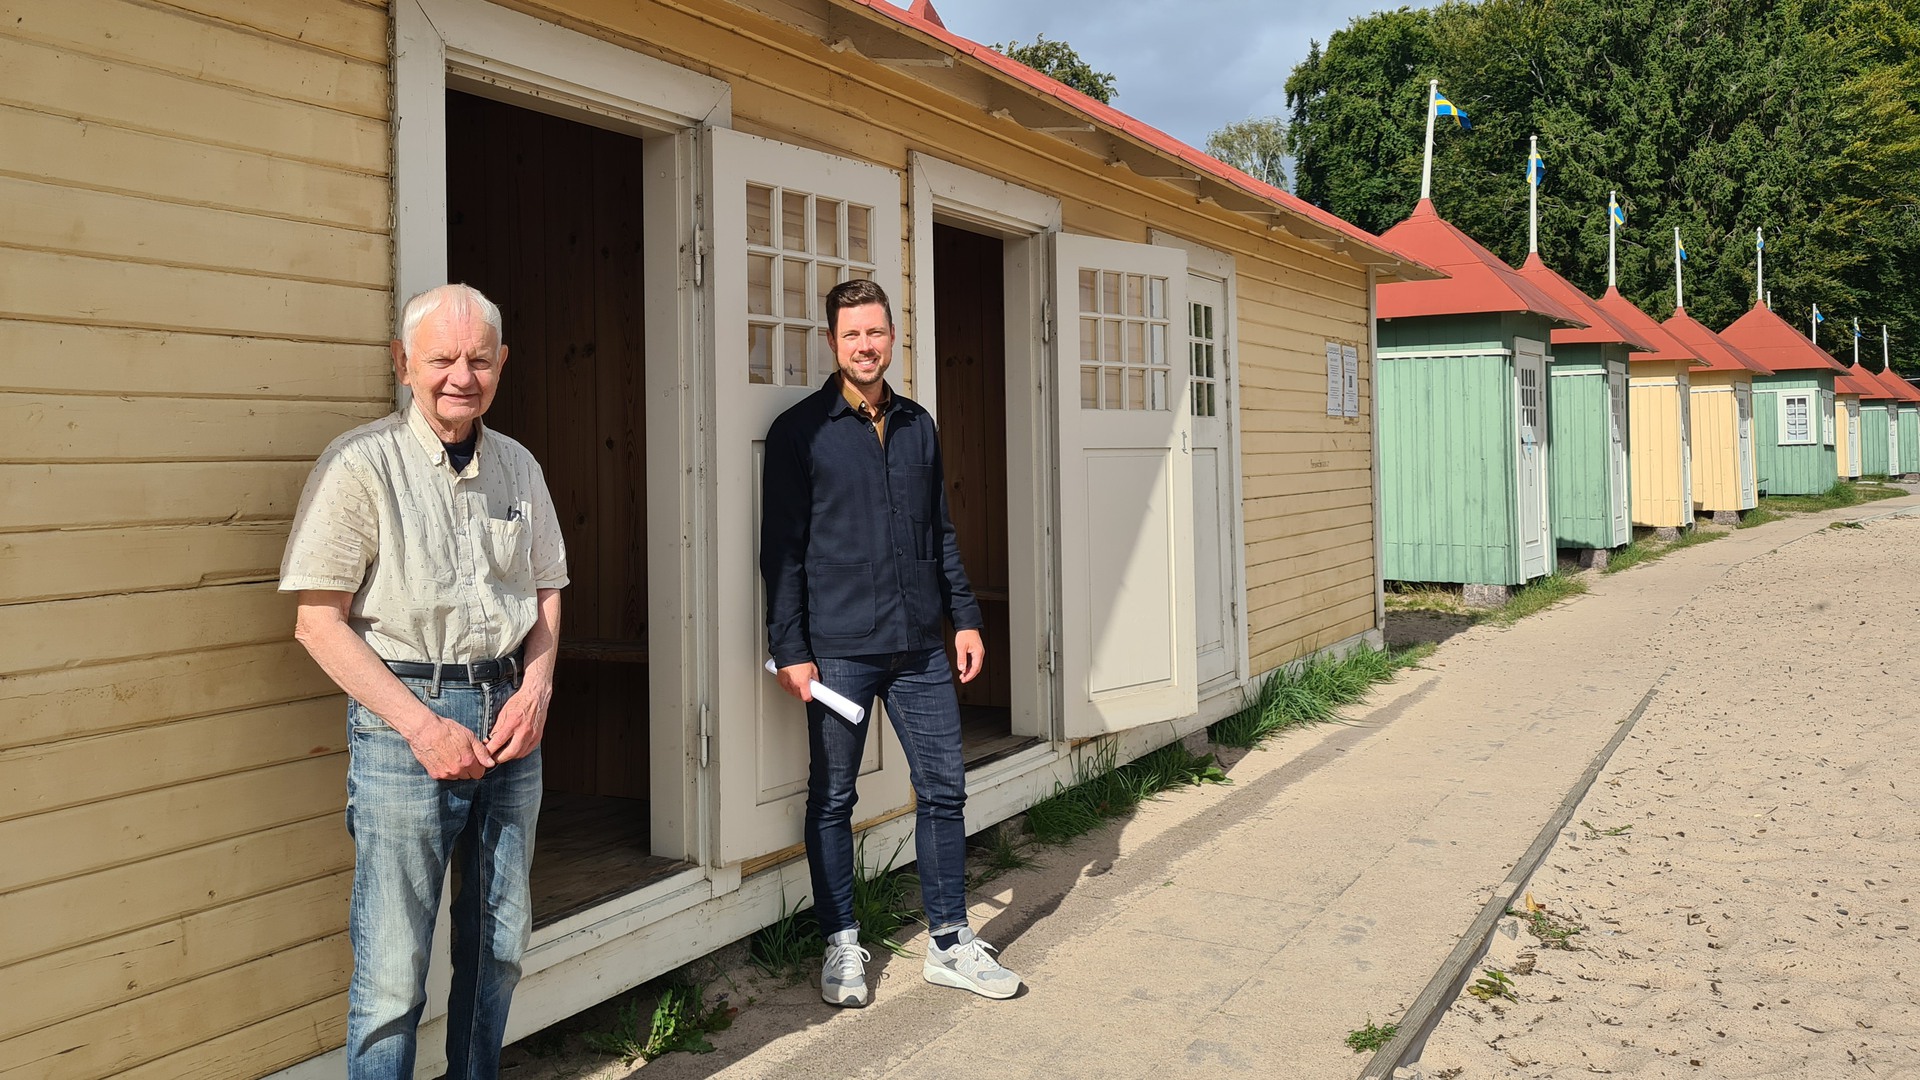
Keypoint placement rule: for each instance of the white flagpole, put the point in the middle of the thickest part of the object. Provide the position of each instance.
(1856, 341)
(1426, 168)
(1759, 263)
(1813, 326)
(1678, 302)
(1533, 197)
(1613, 231)
(1886, 355)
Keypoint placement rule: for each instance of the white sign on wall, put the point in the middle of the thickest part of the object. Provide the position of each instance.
(1336, 381)
(1350, 380)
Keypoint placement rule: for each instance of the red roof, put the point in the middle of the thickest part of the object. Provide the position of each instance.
(1769, 339)
(923, 19)
(1858, 380)
(1665, 346)
(1719, 353)
(1901, 389)
(1477, 281)
(1602, 328)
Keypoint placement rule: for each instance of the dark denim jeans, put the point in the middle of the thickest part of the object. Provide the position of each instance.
(406, 827)
(917, 688)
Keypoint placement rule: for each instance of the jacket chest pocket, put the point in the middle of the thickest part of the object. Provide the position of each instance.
(916, 500)
(509, 549)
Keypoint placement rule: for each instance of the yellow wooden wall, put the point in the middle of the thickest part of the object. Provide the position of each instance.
(1653, 410)
(1716, 441)
(194, 292)
(1842, 440)
(1308, 509)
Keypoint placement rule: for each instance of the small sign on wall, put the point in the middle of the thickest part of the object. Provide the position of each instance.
(1336, 381)
(1350, 380)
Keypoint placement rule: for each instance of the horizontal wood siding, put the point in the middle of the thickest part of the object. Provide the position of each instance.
(1716, 443)
(1581, 448)
(195, 287)
(1655, 455)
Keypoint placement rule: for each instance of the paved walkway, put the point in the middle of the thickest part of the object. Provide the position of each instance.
(1246, 929)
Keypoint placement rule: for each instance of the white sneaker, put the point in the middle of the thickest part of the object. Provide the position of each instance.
(969, 966)
(843, 977)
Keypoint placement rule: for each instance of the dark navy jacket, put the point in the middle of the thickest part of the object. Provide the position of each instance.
(856, 548)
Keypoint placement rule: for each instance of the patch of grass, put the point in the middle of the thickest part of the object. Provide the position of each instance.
(1845, 525)
(1413, 655)
(1552, 931)
(1595, 832)
(1646, 549)
(1493, 983)
(789, 945)
(1000, 851)
(1761, 515)
(1842, 495)
(1309, 693)
(1539, 595)
(1440, 599)
(1371, 1037)
(1101, 791)
(880, 898)
(681, 1020)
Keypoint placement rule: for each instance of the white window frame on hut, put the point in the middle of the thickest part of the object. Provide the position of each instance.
(1787, 436)
(1827, 429)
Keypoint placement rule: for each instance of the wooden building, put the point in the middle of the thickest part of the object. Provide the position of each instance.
(1587, 398)
(212, 212)
(1464, 416)
(1659, 392)
(1793, 407)
(1849, 393)
(1720, 413)
(1904, 416)
(1879, 424)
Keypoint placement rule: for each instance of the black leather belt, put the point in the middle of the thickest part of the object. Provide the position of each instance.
(480, 671)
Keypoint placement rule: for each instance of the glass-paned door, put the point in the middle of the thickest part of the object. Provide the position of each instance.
(1126, 484)
(1216, 516)
(1530, 452)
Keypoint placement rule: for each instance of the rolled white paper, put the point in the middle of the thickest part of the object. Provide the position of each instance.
(854, 713)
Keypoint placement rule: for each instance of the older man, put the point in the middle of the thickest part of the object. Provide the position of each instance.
(429, 565)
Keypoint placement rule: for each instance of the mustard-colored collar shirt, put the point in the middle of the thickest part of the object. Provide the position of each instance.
(443, 567)
(878, 417)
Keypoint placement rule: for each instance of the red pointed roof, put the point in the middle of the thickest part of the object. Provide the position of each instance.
(1601, 329)
(1767, 338)
(1902, 390)
(1665, 346)
(923, 19)
(1719, 353)
(1477, 282)
(1858, 380)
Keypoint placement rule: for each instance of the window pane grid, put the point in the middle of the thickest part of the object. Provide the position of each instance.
(799, 246)
(1125, 364)
(1201, 359)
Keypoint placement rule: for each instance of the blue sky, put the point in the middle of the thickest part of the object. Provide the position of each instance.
(1186, 67)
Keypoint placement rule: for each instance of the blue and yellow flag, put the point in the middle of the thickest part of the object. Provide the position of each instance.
(1619, 212)
(1443, 107)
(1817, 317)
(1536, 169)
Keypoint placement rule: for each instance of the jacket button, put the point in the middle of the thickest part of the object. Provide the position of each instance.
(896, 551)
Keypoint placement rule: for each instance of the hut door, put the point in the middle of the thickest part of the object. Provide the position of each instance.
(1893, 439)
(1126, 473)
(1215, 510)
(1853, 438)
(1686, 445)
(785, 225)
(1743, 406)
(1617, 453)
(1530, 376)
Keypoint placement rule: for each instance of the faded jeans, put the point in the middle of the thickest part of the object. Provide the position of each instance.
(917, 688)
(406, 828)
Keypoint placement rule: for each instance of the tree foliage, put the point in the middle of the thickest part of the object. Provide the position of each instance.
(1257, 147)
(1801, 117)
(1058, 60)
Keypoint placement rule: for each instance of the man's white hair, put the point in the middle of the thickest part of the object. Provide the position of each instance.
(462, 297)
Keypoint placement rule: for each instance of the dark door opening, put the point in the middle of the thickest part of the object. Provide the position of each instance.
(969, 282)
(544, 216)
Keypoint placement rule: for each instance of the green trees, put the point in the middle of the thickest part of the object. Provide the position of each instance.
(1799, 116)
(1057, 59)
(1256, 146)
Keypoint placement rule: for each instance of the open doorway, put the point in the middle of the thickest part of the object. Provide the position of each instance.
(970, 335)
(544, 215)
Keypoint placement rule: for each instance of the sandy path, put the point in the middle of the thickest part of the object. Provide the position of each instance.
(1754, 912)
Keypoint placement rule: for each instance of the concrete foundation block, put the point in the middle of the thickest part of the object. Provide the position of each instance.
(1485, 596)
(1666, 534)
(1726, 517)
(1592, 558)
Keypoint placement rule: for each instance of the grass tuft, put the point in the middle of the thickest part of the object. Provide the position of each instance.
(1539, 595)
(793, 943)
(1761, 515)
(1311, 693)
(1647, 550)
(1842, 495)
(681, 1020)
(1371, 1037)
(1101, 791)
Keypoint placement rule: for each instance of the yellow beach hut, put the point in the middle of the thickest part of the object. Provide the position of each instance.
(1661, 441)
(1724, 472)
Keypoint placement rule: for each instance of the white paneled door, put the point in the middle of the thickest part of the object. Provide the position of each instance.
(1216, 507)
(787, 224)
(1126, 485)
(1617, 455)
(1743, 411)
(1530, 452)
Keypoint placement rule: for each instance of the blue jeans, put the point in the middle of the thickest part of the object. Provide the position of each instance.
(406, 828)
(917, 688)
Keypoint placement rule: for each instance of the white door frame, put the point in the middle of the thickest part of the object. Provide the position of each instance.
(1212, 263)
(1023, 219)
(1524, 350)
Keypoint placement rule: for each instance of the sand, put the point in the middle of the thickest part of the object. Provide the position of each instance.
(1746, 882)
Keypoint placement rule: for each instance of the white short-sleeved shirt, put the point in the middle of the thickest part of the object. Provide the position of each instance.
(443, 567)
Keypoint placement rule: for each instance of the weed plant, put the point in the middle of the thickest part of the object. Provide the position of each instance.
(1552, 931)
(1641, 552)
(1311, 693)
(1101, 791)
(793, 943)
(1493, 983)
(681, 1020)
(1539, 595)
(1761, 515)
(1371, 1037)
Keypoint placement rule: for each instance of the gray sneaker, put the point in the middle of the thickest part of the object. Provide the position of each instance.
(969, 966)
(843, 977)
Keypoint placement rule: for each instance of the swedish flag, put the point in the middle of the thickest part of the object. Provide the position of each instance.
(1443, 107)
(1619, 212)
(1536, 169)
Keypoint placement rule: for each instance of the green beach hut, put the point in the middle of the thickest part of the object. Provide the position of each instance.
(1465, 444)
(1792, 408)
